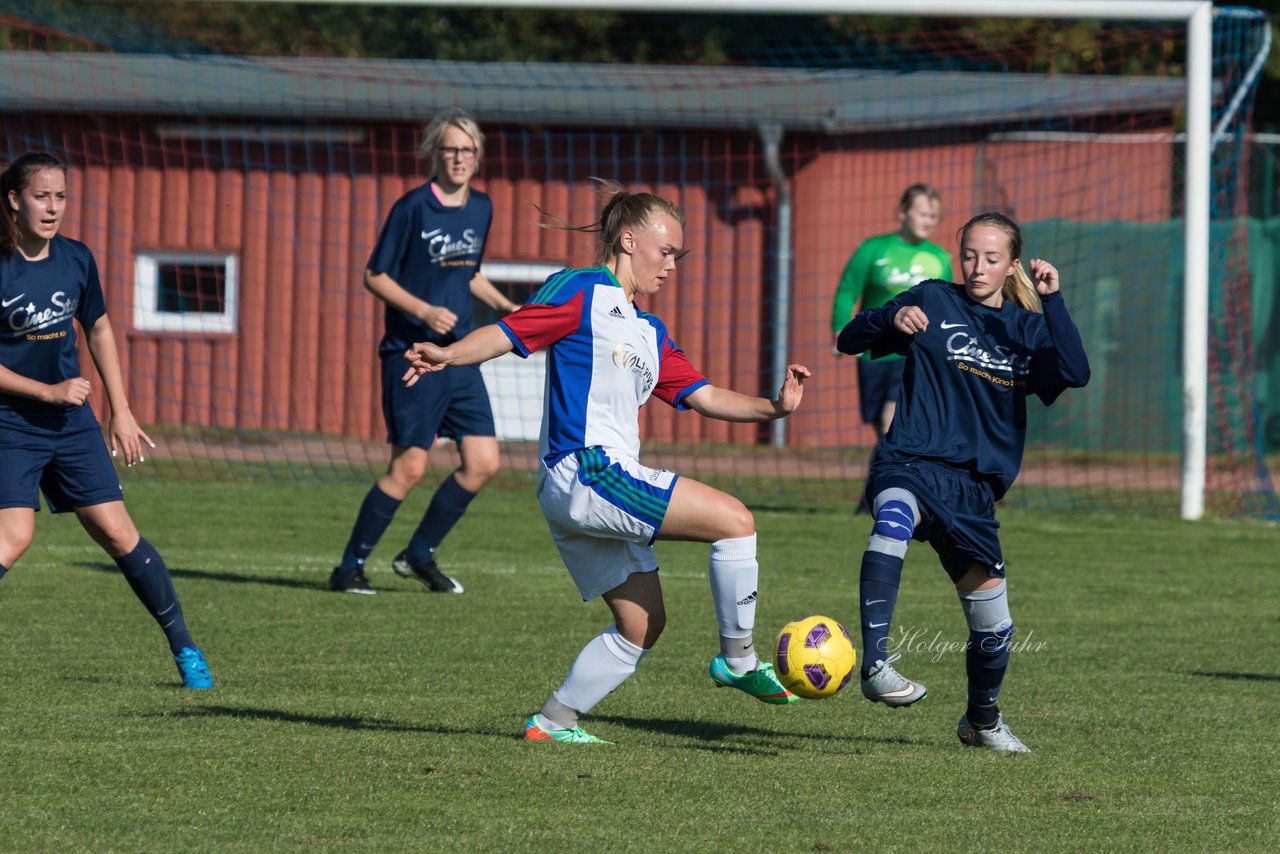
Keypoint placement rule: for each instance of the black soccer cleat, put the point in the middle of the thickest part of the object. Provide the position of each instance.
(350, 581)
(428, 573)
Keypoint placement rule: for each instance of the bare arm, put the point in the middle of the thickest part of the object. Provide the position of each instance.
(485, 343)
(73, 392)
(122, 430)
(727, 405)
(438, 318)
(483, 290)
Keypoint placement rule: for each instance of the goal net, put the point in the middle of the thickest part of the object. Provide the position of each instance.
(232, 197)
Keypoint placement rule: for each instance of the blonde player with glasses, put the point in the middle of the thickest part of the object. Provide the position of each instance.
(426, 269)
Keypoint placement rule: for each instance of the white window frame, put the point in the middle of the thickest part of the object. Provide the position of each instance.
(146, 293)
(516, 385)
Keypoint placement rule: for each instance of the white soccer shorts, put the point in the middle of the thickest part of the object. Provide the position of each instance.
(604, 515)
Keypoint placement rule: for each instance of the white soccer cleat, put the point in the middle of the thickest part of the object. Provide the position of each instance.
(886, 685)
(998, 738)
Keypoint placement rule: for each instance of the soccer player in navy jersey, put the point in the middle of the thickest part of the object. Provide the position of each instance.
(974, 353)
(426, 268)
(50, 441)
(605, 358)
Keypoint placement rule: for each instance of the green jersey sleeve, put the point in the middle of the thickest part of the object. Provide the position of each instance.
(852, 282)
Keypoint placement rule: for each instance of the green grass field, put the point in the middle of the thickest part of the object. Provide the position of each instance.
(1147, 686)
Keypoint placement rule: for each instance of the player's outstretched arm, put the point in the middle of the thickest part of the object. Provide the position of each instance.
(485, 343)
(728, 405)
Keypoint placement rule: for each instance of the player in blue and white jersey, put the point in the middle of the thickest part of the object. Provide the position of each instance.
(426, 268)
(605, 358)
(50, 441)
(974, 353)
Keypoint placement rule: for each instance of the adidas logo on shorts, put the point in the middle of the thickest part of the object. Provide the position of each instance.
(616, 312)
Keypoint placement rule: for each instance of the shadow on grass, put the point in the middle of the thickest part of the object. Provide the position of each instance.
(347, 722)
(1243, 677)
(233, 577)
(714, 733)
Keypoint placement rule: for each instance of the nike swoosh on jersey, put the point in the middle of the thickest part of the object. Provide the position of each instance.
(945, 325)
(9, 302)
(870, 602)
(877, 625)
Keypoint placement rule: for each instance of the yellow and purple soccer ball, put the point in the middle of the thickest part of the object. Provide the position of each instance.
(814, 657)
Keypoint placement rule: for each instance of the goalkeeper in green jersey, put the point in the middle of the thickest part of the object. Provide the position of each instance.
(881, 268)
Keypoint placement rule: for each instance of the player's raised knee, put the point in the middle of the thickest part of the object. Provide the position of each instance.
(735, 519)
(896, 513)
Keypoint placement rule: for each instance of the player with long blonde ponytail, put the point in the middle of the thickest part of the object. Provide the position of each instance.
(1017, 287)
(975, 352)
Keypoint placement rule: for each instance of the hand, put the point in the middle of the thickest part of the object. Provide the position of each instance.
(72, 392)
(424, 358)
(127, 437)
(910, 319)
(792, 390)
(438, 318)
(1045, 276)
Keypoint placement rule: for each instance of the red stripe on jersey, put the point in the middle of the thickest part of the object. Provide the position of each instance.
(539, 325)
(675, 375)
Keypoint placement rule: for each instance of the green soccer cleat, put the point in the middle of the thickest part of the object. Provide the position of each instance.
(760, 683)
(575, 735)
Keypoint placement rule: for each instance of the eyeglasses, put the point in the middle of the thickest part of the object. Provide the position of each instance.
(453, 151)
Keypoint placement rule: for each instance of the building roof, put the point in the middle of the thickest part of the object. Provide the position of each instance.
(573, 94)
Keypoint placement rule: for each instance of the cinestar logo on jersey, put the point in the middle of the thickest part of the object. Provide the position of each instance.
(626, 357)
(442, 246)
(26, 319)
(965, 347)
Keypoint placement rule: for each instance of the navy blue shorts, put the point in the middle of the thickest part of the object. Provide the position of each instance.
(452, 403)
(71, 469)
(958, 513)
(878, 384)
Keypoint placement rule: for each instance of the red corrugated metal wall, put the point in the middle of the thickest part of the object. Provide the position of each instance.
(304, 356)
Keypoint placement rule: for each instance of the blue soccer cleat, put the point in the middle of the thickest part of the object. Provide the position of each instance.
(194, 669)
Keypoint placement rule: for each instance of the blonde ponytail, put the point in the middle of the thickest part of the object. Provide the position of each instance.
(1018, 288)
(622, 210)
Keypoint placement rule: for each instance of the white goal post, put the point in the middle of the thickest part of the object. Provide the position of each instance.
(1198, 18)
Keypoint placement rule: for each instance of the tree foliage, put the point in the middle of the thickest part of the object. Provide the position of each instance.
(482, 34)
